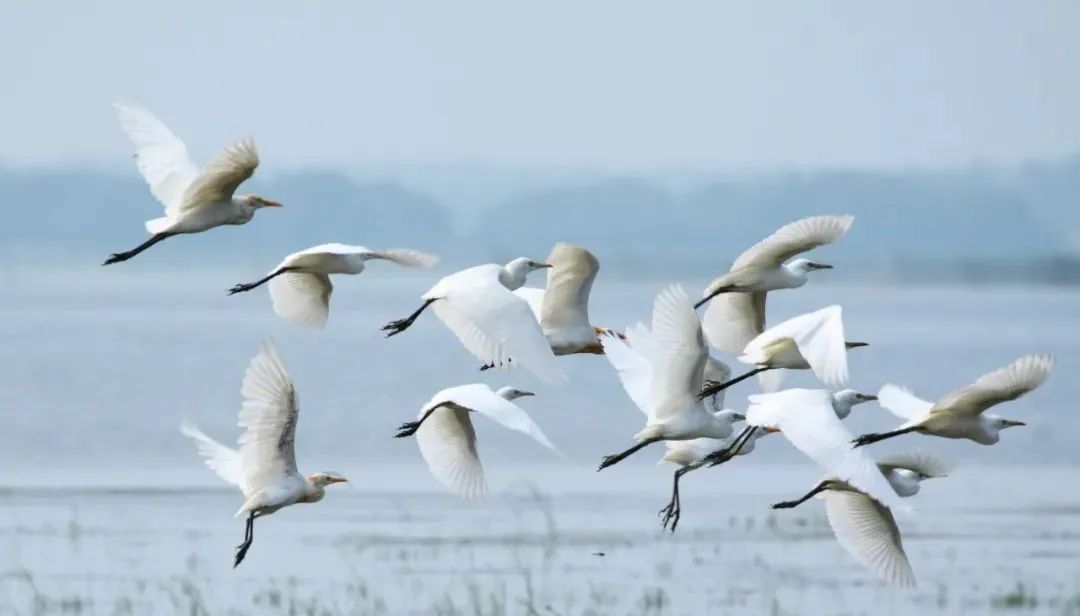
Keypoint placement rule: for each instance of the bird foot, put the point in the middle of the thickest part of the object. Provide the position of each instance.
(865, 439)
(117, 257)
(608, 461)
(670, 515)
(407, 429)
(396, 327)
(487, 367)
(241, 552)
(241, 288)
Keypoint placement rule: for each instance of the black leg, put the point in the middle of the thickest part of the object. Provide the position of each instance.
(866, 439)
(409, 428)
(240, 288)
(396, 327)
(719, 457)
(619, 457)
(711, 389)
(249, 536)
(705, 299)
(117, 257)
(824, 485)
(673, 511)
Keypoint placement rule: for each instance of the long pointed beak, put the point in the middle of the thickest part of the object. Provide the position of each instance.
(527, 393)
(1009, 423)
(546, 265)
(855, 345)
(271, 203)
(821, 266)
(739, 417)
(869, 397)
(337, 480)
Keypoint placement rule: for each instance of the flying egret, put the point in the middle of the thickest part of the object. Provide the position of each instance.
(813, 341)
(810, 420)
(562, 307)
(477, 305)
(866, 528)
(264, 467)
(959, 414)
(194, 200)
(676, 361)
(447, 441)
(713, 452)
(762, 268)
(300, 285)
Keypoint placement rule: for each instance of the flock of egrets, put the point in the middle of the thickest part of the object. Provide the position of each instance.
(666, 369)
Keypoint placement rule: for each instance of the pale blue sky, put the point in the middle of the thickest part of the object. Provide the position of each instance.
(613, 84)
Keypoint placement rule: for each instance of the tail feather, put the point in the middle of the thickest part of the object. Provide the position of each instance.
(159, 225)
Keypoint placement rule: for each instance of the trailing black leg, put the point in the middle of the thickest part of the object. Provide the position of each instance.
(242, 287)
(732, 450)
(619, 457)
(705, 299)
(824, 485)
(409, 428)
(117, 257)
(396, 327)
(249, 536)
(713, 388)
(866, 439)
(673, 511)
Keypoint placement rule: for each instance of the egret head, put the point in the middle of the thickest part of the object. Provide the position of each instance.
(513, 393)
(525, 265)
(325, 478)
(802, 266)
(1003, 423)
(845, 399)
(255, 201)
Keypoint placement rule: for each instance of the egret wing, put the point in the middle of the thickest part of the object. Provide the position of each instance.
(495, 325)
(1001, 385)
(223, 460)
(732, 320)
(819, 336)
(447, 443)
(220, 179)
(481, 399)
(679, 363)
(302, 297)
(569, 281)
(160, 156)
(634, 370)
(807, 419)
(795, 238)
(868, 531)
(535, 299)
(405, 257)
(901, 402)
(268, 417)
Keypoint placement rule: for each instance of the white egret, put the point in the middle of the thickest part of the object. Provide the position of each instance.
(960, 414)
(676, 359)
(713, 452)
(477, 305)
(447, 441)
(811, 421)
(264, 467)
(194, 200)
(762, 268)
(300, 285)
(813, 341)
(866, 528)
(562, 307)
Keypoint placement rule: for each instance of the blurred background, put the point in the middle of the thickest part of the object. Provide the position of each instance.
(666, 139)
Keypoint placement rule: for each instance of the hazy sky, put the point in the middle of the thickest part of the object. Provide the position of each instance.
(606, 83)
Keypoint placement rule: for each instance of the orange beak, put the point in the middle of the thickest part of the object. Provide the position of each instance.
(337, 480)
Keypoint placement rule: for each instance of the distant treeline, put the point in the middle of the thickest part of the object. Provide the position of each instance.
(1010, 223)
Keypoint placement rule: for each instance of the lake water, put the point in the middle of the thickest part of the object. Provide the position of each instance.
(107, 510)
